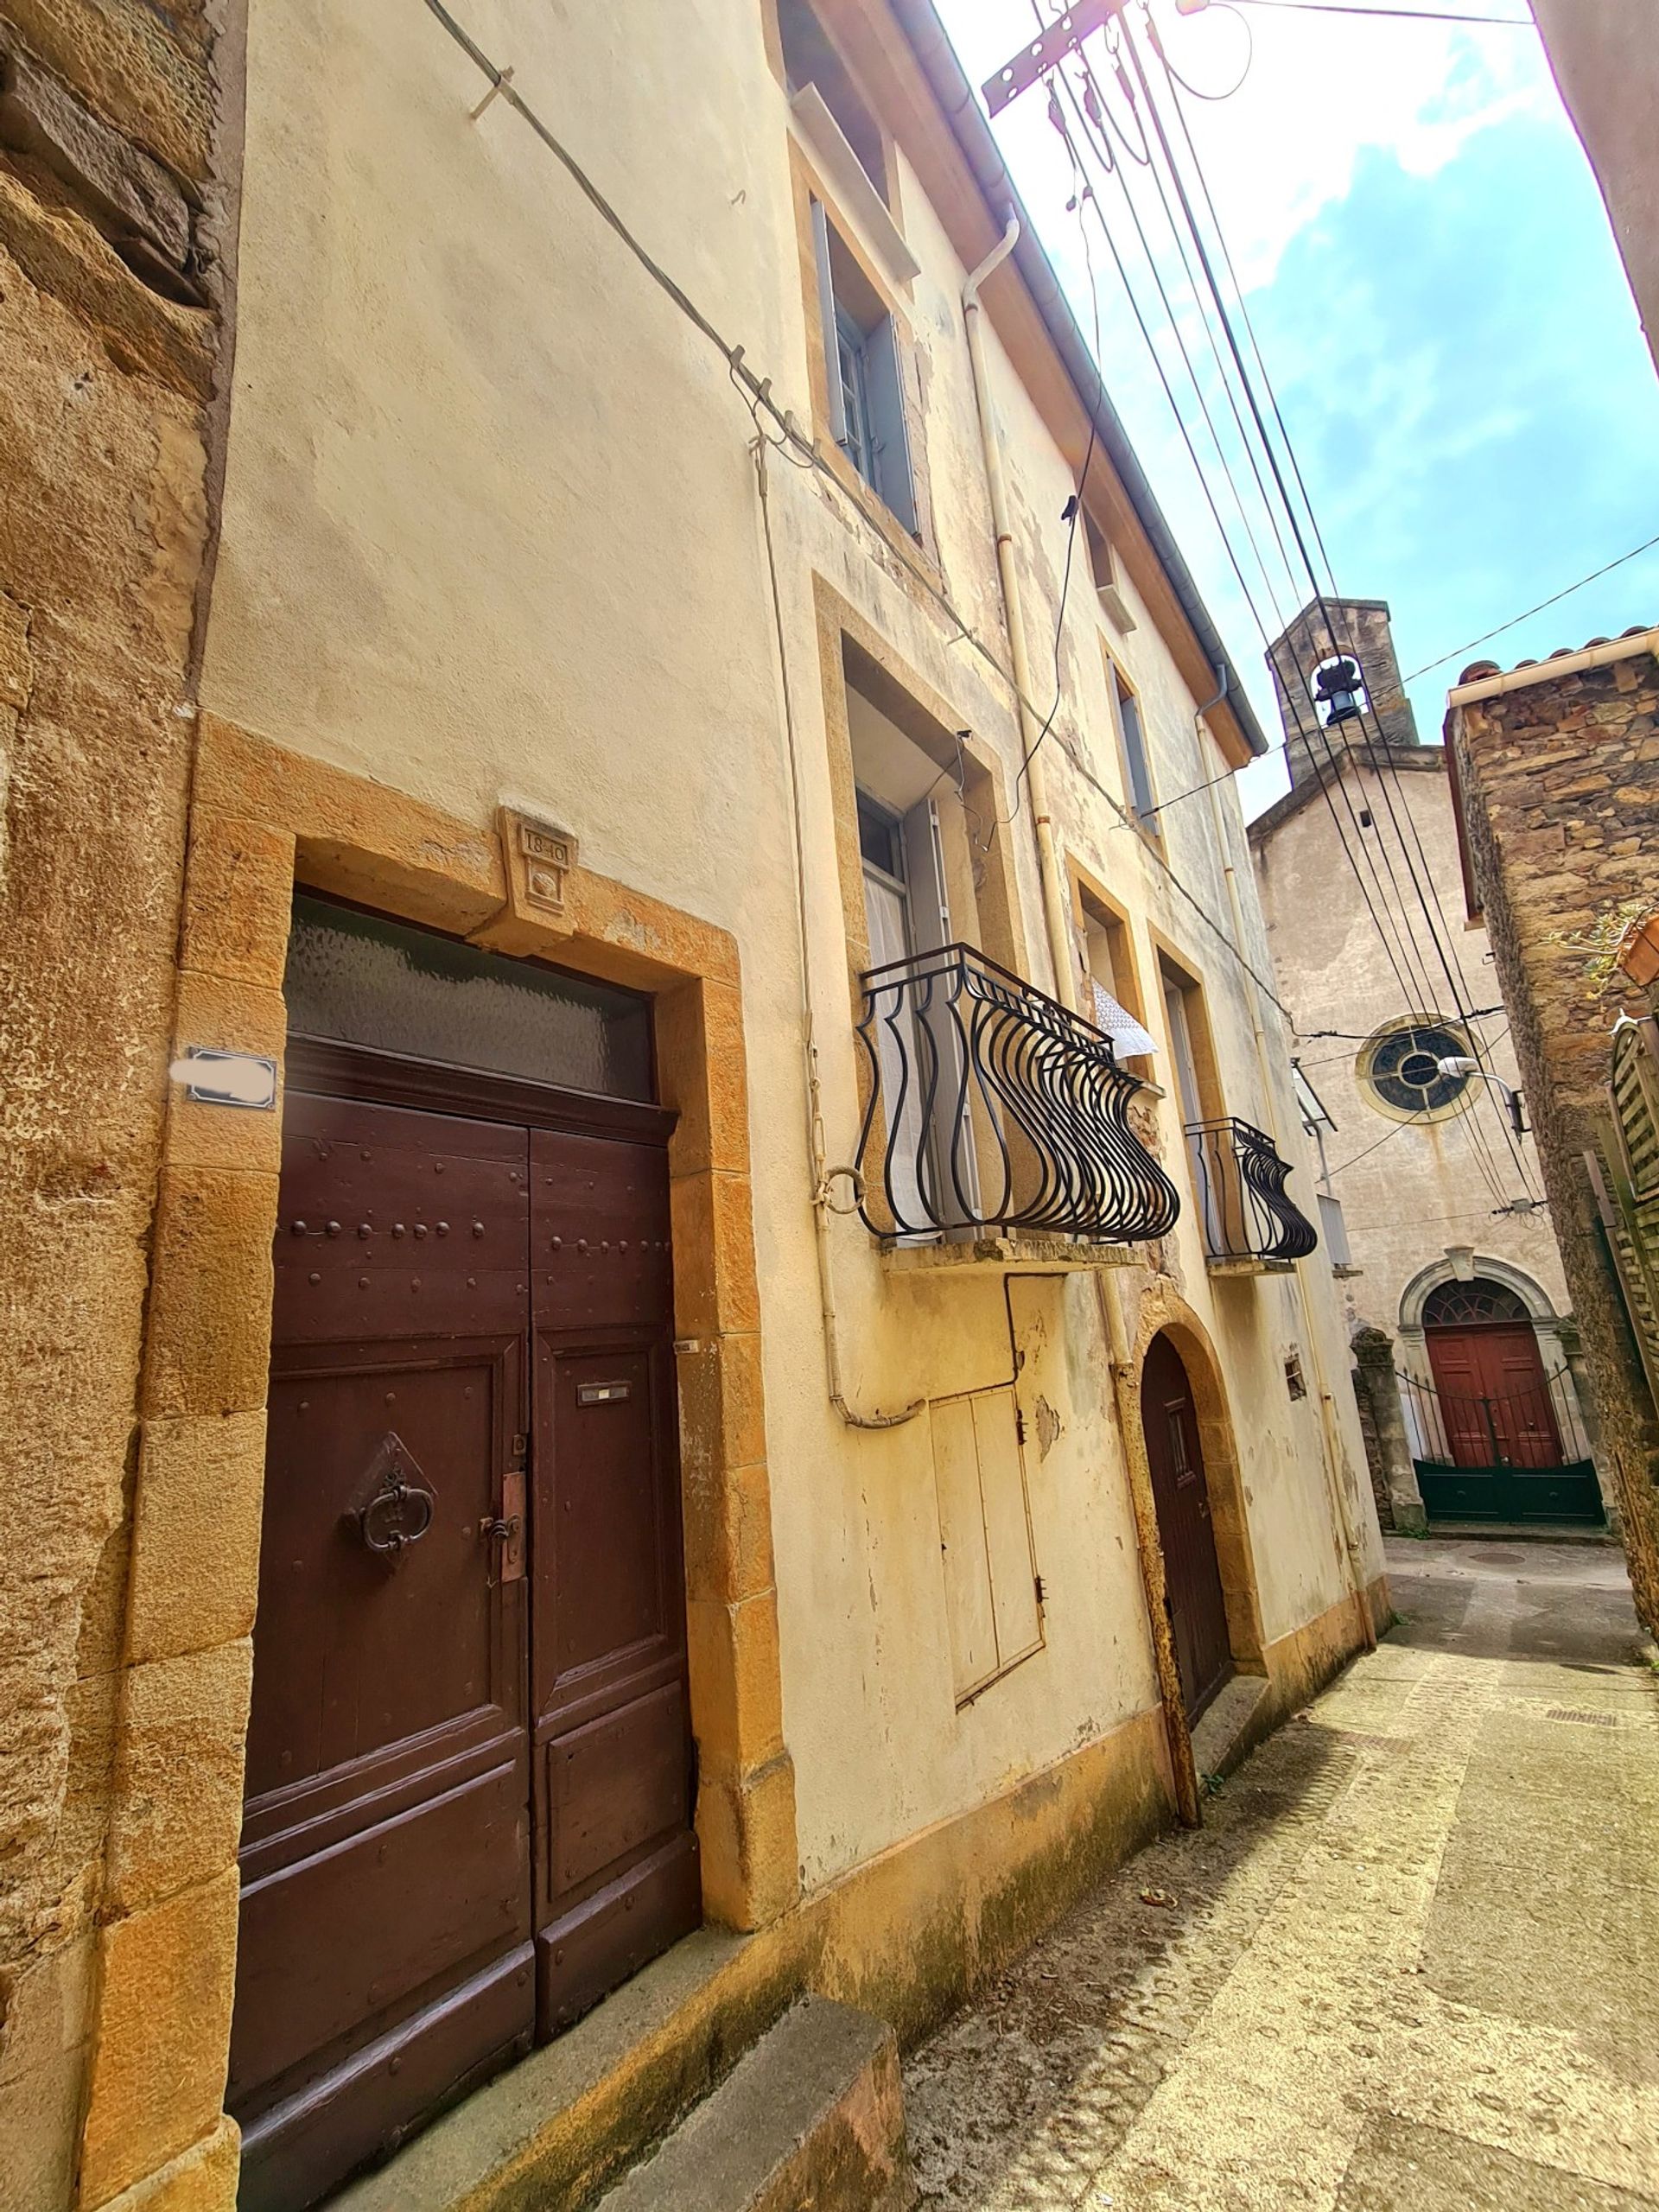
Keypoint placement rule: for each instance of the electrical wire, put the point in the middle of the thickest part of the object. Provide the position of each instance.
(1081, 107)
(1486, 636)
(1409, 992)
(757, 394)
(1386, 14)
(1456, 983)
(1020, 786)
(1197, 91)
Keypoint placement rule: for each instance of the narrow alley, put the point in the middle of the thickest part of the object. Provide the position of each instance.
(1411, 1961)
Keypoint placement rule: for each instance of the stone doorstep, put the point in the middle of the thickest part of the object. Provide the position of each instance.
(812, 2115)
(553, 2131)
(1515, 1532)
(1223, 1734)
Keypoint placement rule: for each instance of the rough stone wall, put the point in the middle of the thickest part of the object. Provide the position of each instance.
(1361, 628)
(1373, 1451)
(109, 333)
(1560, 787)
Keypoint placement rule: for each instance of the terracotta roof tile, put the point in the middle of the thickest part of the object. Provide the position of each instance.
(1477, 671)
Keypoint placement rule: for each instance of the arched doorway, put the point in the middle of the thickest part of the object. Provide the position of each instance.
(1193, 1591)
(1499, 1435)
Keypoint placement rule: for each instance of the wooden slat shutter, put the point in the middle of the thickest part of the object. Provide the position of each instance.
(1625, 1178)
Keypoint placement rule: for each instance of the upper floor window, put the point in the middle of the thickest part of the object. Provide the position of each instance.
(1112, 995)
(809, 58)
(1132, 743)
(862, 370)
(1109, 581)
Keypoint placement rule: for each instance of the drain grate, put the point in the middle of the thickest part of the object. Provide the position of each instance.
(1588, 1719)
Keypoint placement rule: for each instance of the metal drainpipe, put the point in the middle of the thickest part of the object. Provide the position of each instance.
(1048, 866)
(1333, 1453)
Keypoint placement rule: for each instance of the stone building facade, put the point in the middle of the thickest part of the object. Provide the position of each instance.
(1557, 764)
(115, 251)
(615, 634)
(1345, 863)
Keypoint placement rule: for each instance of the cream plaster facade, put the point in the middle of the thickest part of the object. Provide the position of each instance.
(492, 535)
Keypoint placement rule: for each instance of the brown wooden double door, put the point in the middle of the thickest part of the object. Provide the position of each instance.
(469, 1786)
(1193, 1584)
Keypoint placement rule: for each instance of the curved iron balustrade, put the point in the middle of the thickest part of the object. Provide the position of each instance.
(1242, 1182)
(998, 1108)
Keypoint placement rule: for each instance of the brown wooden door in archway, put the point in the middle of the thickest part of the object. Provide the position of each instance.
(469, 1786)
(1193, 1593)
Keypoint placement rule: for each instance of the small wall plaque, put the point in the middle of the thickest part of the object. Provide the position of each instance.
(540, 858)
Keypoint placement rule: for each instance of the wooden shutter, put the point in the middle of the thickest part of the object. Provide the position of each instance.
(990, 1576)
(1625, 1178)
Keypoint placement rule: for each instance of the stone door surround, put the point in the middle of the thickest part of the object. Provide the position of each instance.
(263, 820)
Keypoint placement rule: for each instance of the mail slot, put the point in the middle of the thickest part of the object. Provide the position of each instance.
(602, 1394)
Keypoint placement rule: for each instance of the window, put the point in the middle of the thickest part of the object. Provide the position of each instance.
(913, 851)
(1108, 581)
(1132, 747)
(811, 58)
(1399, 1068)
(357, 979)
(1459, 1304)
(1112, 995)
(990, 1579)
(862, 370)
(1216, 1180)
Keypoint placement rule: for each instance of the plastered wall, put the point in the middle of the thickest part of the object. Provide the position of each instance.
(491, 527)
(1423, 1189)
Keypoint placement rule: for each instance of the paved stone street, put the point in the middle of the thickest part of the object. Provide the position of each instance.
(1411, 1963)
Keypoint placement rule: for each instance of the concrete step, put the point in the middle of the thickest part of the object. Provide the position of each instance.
(1223, 1733)
(810, 2120)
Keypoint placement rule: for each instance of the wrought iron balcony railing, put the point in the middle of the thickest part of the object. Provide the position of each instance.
(992, 1107)
(1245, 1212)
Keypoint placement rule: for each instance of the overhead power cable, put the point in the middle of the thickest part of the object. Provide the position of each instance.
(1414, 991)
(756, 393)
(1418, 874)
(1555, 597)
(1420, 993)
(1388, 14)
(1409, 992)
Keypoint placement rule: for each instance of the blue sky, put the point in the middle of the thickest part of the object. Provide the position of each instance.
(1432, 277)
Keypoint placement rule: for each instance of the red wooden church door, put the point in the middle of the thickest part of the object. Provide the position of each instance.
(1494, 1397)
(1198, 1606)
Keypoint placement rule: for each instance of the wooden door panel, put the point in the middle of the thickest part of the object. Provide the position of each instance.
(616, 1783)
(617, 1876)
(600, 1232)
(605, 1549)
(1494, 1397)
(294, 2153)
(386, 1863)
(354, 1681)
(402, 1903)
(1197, 1601)
(395, 1223)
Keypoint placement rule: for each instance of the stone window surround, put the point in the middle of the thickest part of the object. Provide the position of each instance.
(263, 820)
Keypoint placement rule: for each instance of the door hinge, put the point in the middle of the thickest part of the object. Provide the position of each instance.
(1019, 1424)
(1040, 1588)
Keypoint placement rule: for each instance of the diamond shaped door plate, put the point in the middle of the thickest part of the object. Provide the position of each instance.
(395, 1503)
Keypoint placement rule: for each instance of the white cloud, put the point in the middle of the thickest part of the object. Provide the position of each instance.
(1320, 90)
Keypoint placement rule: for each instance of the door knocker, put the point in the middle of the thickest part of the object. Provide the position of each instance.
(399, 1511)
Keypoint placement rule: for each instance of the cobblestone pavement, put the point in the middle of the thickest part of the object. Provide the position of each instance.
(1412, 1960)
